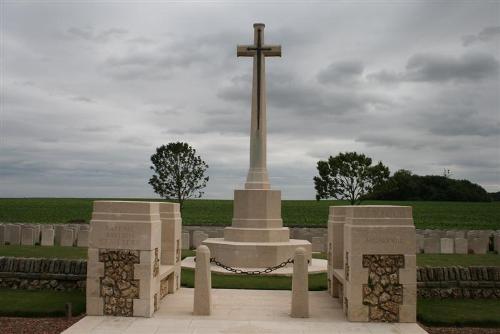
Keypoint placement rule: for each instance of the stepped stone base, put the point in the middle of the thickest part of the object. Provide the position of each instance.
(254, 254)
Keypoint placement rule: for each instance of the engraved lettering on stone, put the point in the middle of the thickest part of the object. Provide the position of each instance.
(118, 286)
(383, 293)
(119, 236)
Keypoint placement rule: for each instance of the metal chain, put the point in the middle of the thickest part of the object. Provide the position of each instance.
(251, 272)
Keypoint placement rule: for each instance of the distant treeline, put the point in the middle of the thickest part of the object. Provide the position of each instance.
(495, 196)
(405, 186)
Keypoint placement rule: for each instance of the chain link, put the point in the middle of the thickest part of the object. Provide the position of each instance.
(250, 272)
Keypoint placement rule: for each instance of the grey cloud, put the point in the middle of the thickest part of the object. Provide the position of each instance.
(134, 140)
(88, 34)
(441, 68)
(438, 68)
(286, 91)
(485, 35)
(99, 128)
(82, 99)
(341, 72)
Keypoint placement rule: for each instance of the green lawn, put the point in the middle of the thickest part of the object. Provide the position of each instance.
(45, 303)
(317, 282)
(459, 312)
(443, 215)
(464, 260)
(44, 252)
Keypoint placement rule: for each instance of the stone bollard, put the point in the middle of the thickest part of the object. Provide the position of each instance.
(202, 282)
(300, 285)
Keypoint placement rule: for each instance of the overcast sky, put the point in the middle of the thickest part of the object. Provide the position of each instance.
(90, 89)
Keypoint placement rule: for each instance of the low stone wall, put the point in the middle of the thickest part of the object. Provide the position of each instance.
(458, 282)
(37, 274)
(66, 275)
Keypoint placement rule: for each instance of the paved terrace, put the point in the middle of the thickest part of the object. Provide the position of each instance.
(240, 311)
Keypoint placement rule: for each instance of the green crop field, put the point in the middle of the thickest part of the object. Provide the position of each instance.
(442, 215)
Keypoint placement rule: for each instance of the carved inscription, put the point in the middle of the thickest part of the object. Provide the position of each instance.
(120, 236)
(118, 287)
(383, 293)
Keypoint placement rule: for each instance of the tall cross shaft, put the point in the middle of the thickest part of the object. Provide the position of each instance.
(257, 175)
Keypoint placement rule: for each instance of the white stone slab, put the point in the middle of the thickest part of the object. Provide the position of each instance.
(47, 237)
(67, 237)
(432, 245)
(447, 245)
(83, 238)
(27, 236)
(318, 244)
(185, 240)
(461, 246)
(14, 232)
(243, 312)
(3, 234)
(198, 238)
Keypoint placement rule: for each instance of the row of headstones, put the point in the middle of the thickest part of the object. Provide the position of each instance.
(458, 242)
(68, 235)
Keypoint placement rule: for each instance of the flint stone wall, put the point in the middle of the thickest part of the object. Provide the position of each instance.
(458, 282)
(46, 274)
(67, 275)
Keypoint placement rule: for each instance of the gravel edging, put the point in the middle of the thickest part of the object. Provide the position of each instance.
(14, 325)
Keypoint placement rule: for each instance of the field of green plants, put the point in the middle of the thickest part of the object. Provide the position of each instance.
(442, 215)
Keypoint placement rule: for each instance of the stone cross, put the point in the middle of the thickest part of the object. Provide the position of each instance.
(257, 175)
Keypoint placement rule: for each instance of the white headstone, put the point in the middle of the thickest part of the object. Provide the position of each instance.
(420, 243)
(447, 245)
(83, 239)
(27, 236)
(478, 245)
(461, 246)
(198, 237)
(67, 237)
(47, 237)
(185, 240)
(3, 234)
(496, 242)
(432, 245)
(318, 244)
(58, 231)
(14, 232)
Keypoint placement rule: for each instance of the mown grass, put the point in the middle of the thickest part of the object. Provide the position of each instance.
(40, 303)
(49, 252)
(317, 282)
(459, 312)
(442, 215)
(464, 260)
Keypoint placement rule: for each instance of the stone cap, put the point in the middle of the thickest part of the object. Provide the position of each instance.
(124, 207)
(379, 213)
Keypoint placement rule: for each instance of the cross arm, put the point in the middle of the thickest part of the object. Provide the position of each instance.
(243, 51)
(272, 50)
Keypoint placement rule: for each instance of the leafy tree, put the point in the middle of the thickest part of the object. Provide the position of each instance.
(178, 172)
(348, 176)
